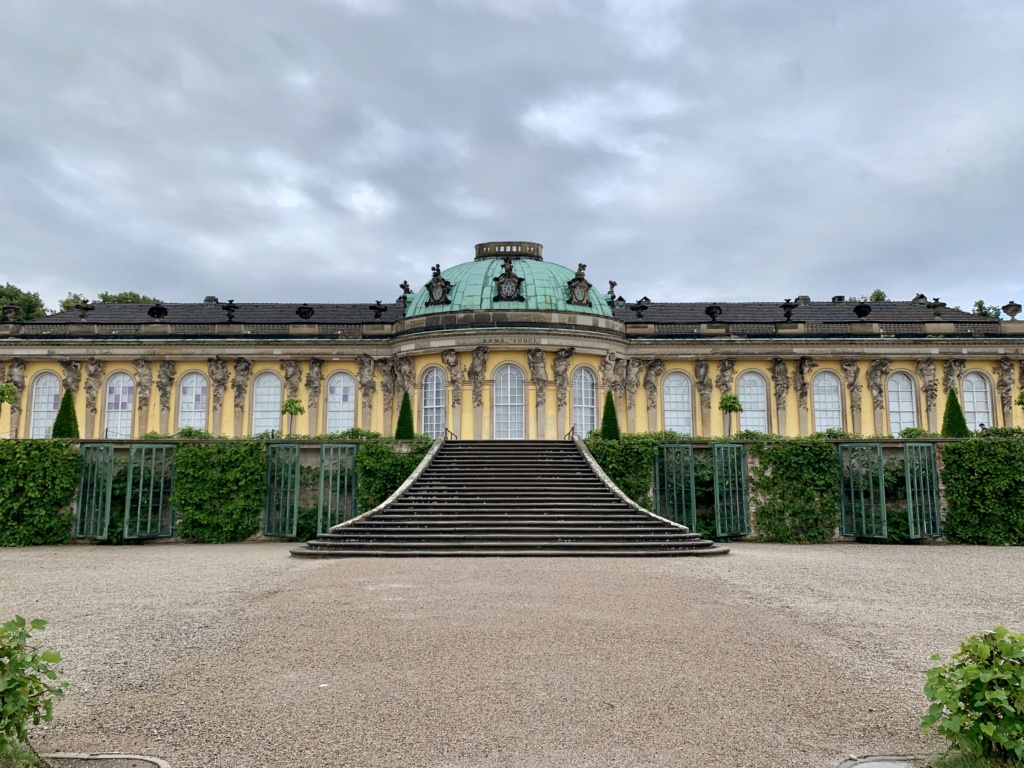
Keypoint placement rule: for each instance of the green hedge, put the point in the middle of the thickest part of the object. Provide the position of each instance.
(219, 490)
(38, 481)
(629, 461)
(795, 489)
(984, 480)
(382, 468)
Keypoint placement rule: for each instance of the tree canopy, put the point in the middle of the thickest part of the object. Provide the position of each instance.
(30, 304)
(106, 297)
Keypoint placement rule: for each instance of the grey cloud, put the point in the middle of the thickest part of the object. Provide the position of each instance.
(325, 150)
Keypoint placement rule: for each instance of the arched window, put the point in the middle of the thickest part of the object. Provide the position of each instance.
(753, 393)
(827, 395)
(434, 389)
(266, 404)
(509, 404)
(46, 394)
(677, 396)
(341, 402)
(120, 407)
(902, 405)
(977, 401)
(192, 398)
(584, 401)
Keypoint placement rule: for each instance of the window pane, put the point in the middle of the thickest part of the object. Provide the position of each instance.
(192, 399)
(120, 406)
(753, 393)
(509, 404)
(584, 401)
(434, 403)
(977, 398)
(902, 405)
(341, 402)
(677, 396)
(828, 402)
(46, 394)
(266, 404)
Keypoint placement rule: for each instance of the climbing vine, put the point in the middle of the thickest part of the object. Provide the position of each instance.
(382, 468)
(629, 461)
(219, 490)
(984, 492)
(38, 480)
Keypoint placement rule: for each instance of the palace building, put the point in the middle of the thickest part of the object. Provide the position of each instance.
(510, 346)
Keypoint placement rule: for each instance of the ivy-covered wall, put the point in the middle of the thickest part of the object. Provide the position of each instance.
(984, 481)
(38, 482)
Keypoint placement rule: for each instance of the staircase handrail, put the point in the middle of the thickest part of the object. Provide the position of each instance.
(449, 435)
(571, 434)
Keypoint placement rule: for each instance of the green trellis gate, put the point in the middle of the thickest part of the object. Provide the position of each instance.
(281, 510)
(95, 486)
(732, 496)
(338, 485)
(147, 505)
(861, 490)
(922, 478)
(674, 492)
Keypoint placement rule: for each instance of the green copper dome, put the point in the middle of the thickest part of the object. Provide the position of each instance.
(544, 286)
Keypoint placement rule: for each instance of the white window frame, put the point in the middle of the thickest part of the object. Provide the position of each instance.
(119, 406)
(976, 398)
(754, 400)
(509, 403)
(433, 402)
(901, 394)
(677, 403)
(827, 401)
(341, 402)
(584, 401)
(266, 416)
(46, 391)
(193, 400)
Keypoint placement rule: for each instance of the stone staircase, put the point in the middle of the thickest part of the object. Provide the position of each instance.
(508, 499)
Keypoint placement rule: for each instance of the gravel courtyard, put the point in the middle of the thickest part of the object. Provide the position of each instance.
(239, 655)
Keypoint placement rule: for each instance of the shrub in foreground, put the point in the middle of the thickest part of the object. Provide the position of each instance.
(27, 687)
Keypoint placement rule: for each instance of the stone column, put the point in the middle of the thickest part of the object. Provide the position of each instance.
(1004, 386)
(94, 370)
(655, 368)
(386, 366)
(145, 390)
(219, 383)
(560, 369)
(367, 387)
(476, 372)
(780, 379)
(165, 383)
(930, 387)
(851, 373)
(314, 380)
(240, 384)
(877, 372)
(539, 378)
(702, 376)
(16, 376)
(724, 383)
(801, 374)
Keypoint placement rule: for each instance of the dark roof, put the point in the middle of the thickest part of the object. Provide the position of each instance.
(659, 312)
(814, 312)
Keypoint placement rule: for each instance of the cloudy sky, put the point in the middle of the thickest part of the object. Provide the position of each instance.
(326, 150)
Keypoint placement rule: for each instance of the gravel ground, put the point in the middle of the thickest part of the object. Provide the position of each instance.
(239, 655)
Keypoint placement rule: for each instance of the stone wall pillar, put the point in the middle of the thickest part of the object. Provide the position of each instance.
(851, 374)
(165, 384)
(367, 387)
(218, 385)
(240, 384)
(560, 368)
(877, 372)
(456, 376)
(702, 376)
(780, 378)
(144, 375)
(477, 369)
(94, 370)
(314, 382)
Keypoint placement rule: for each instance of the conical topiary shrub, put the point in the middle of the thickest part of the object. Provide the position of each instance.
(404, 430)
(66, 423)
(609, 419)
(953, 422)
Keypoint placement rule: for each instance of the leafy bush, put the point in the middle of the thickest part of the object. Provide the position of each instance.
(1014, 433)
(194, 433)
(984, 492)
(66, 423)
(382, 469)
(609, 419)
(405, 429)
(38, 479)
(350, 434)
(219, 490)
(917, 433)
(629, 461)
(730, 403)
(978, 698)
(27, 692)
(795, 486)
(953, 422)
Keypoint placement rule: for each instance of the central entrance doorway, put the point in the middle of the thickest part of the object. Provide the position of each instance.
(509, 403)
